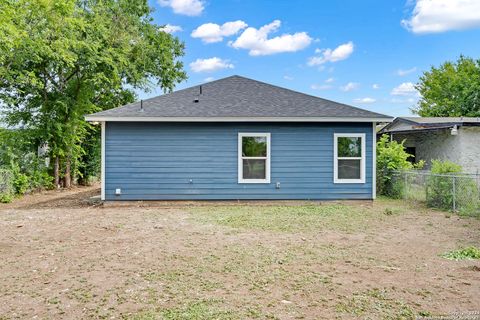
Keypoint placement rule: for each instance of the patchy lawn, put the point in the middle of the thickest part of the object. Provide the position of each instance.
(62, 257)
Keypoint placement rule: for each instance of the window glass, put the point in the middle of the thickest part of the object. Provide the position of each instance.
(254, 146)
(349, 147)
(254, 169)
(349, 169)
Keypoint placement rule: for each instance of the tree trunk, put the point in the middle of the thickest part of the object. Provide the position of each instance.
(67, 177)
(56, 172)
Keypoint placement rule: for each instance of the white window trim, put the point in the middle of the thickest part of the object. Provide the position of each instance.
(240, 157)
(336, 158)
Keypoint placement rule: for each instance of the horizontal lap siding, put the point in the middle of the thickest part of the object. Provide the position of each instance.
(156, 161)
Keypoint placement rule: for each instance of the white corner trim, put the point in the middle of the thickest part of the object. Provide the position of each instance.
(93, 118)
(335, 158)
(240, 157)
(374, 161)
(102, 173)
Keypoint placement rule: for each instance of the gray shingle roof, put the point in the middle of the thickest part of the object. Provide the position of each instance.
(434, 120)
(240, 97)
(410, 124)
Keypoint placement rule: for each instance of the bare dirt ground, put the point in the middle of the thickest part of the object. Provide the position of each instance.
(63, 257)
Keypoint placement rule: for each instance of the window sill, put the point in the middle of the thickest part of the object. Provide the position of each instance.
(248, 181)
(348, 181)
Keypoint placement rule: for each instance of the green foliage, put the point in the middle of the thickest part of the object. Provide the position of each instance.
(6, 185)
(445, 167)
(467, 253)
(451, 90)
(440, 188)
(90, 162)
(63, 59)
(449, 186)
(18, 154)
(6, 198)
(391, 157)
(20, 181)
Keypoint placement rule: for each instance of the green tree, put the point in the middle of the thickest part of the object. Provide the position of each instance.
(63, 59)
(451, 90)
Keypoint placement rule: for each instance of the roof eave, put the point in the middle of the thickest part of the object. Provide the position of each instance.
(93, 118)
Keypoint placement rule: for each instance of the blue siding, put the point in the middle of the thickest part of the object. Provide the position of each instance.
(155, 161)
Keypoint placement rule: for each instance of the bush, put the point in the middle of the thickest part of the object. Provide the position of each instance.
(18, 155)
(447, 186)
(6, 185)
(391, 157)
(6, 198)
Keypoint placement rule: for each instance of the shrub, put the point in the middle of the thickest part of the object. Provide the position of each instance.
(447, 186)
(6, 198)
(6, 185)
(18, 154)
(391, 157)
(440, 185)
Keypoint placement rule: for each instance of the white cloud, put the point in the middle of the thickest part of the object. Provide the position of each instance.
(289, 78)
(329, 80)
(404, 89)
(321, 86)
(208, 79)
(341, 52)
(375, 86)
(210, 65)
(349, 87)
(365, 100)
(212, 32)
(185, 7)
(258, 43)
(402, 72)
(168, 28)
(431, 16)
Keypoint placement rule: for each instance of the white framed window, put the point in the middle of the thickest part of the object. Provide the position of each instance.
(254, 158)
(349, 158)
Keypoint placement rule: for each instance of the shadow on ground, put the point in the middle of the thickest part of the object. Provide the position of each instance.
(70, 200)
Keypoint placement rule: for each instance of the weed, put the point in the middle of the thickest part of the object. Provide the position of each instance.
(388, 212)
(467, 253)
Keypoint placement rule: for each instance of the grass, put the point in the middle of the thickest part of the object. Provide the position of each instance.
(195, 310)
(468, 253)
(374, 304)
(303, 218)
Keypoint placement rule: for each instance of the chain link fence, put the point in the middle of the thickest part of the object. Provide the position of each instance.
(6, 182)
(452, 192)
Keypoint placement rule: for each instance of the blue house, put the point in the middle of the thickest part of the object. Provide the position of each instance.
(237, 138)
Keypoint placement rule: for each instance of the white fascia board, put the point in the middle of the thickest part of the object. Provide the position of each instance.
(233, 119)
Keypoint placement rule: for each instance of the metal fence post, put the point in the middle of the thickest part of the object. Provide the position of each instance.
(453, 195)
(405, 185)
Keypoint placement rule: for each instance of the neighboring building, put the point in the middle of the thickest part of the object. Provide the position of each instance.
(448, 138)
(237, 138)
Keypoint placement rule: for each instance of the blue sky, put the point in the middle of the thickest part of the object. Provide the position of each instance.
(364, 53)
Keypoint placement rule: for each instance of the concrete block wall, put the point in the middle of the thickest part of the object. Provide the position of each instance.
(463, 148)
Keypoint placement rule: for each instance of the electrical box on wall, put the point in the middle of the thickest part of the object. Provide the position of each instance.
(118, 191)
